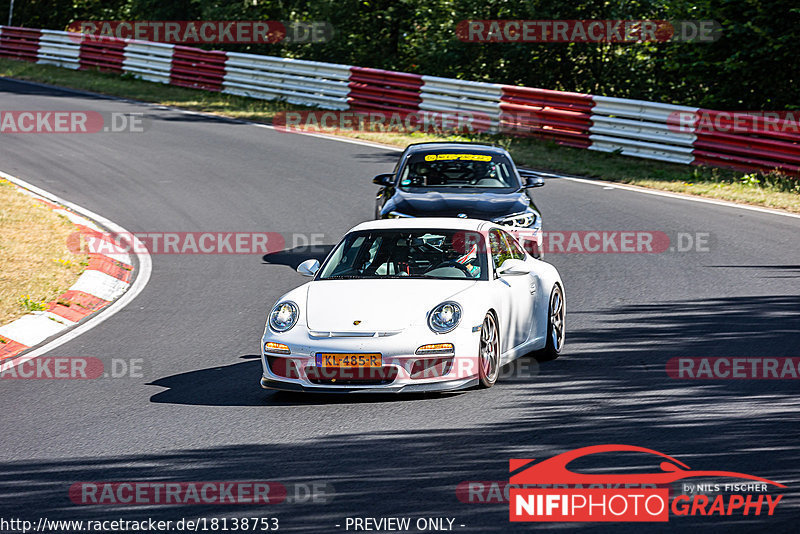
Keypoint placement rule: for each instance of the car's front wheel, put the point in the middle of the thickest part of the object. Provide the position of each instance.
(489, 352)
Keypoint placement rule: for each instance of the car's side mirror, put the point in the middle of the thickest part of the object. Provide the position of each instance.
(532, 179)
(386, 180)
(308, 267)
(513, 267)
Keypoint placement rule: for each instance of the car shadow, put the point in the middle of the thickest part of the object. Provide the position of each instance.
(238, 385)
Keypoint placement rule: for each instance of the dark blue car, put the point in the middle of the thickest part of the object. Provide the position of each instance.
(466, 180)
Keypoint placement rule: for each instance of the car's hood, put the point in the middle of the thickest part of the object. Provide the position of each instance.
(475, 205)
(380, 305)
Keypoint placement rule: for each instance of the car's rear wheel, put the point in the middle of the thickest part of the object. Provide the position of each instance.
(556, 324)
(489, 352)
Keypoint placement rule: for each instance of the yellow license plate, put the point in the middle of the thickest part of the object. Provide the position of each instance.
(348, 360)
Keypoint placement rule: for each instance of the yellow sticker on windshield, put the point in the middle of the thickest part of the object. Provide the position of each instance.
(460, 157)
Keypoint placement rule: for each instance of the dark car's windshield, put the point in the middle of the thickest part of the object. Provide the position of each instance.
(462, 171)
(408, 254)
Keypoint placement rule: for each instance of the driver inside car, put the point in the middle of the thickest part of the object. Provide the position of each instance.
(467, 253)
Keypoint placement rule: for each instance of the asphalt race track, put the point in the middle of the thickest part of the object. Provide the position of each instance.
(198, 414)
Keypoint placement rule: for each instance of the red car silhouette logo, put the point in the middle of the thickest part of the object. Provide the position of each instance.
(554, 470)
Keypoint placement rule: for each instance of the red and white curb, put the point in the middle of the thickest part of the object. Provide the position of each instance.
(104, 285)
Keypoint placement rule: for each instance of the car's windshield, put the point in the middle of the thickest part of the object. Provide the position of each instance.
(457, 170)
(408, 254)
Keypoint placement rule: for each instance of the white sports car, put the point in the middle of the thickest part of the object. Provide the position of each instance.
(409, 305)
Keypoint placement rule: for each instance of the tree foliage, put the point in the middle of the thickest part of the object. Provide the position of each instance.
(754, 65)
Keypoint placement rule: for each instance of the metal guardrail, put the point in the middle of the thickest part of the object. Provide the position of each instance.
(635, 128)
(383, 90)
(560, 116)
(148, 61)
(19, 43)
(482, 100)
(641, 129)
(762, 146)
(307, 83)
(104, 53)
(58, 49)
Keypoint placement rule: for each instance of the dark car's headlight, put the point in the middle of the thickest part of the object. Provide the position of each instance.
(520, 220)
(283, 316)
(444, 317)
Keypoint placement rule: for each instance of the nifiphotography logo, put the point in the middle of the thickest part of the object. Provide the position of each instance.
(549, 491)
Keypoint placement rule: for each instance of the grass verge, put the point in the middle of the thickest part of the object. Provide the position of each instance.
(36, 266)
(771, 190)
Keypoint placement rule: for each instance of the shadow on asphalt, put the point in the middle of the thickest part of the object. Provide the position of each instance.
(609, 387)
(783, 269)
(416, 472)
(238, 385)
(758, 326)
(390, 157)
(631, 349)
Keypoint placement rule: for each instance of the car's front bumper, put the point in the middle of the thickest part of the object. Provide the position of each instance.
(298, 372)
(448, 385)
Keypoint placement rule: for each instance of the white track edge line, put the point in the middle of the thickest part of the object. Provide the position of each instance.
(142, 276)
(670, 194)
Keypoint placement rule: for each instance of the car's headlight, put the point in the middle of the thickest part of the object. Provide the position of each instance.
(398, 215)
(283, 316)
(520, 220)
(444, 317)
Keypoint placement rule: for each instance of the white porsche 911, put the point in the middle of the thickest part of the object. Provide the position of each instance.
(410, 305)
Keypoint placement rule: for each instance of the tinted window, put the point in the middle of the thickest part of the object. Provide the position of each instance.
(499, 248)
(408, 253)
(462, 170)
(514, 247)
